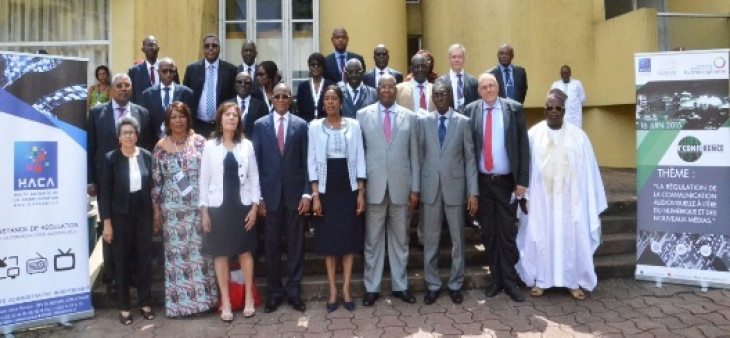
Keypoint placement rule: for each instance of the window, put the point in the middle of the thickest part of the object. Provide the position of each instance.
(615, 8)
(74, 28)
(285, 31)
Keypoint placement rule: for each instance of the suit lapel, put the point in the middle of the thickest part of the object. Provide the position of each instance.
(289, 133)
(506, 115)
(449, 129)
(378, 123)
(271, 130)
(399, 121)
(479, 120)
(221, 81)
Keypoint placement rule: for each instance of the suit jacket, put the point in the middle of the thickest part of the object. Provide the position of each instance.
(114, 188)
(364, 99)
(101, 136)
(471, 85)
(140, 76)
(515, 136)
(195, 79)
(393, 166)
(451, 167)
(369, 77)
(282, 176)
(254, 78)
(520, 77)
(332, 66)
(152, 100)
(305, 100)
(404, 97)
(256, 110)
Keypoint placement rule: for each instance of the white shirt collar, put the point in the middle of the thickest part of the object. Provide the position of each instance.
(148, 64)
(215, 63)
(277, 116)
(352, 90)
(448, 114)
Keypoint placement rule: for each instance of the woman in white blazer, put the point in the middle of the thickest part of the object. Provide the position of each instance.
(336, 163)
(229, 195)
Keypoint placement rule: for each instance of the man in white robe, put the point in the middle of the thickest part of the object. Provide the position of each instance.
(566, 195)
(576, 96)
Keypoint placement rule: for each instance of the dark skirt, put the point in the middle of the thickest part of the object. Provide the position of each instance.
(339, 231)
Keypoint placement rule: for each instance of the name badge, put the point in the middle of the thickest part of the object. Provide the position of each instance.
(183, 184)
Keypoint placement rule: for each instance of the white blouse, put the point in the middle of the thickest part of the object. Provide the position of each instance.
(318, 151)
(135, 177)
(336, 143)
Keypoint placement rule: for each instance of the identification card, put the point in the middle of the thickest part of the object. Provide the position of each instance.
(183, 184)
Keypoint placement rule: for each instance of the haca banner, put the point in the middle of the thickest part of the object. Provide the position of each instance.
(683, 167)
(44, 265)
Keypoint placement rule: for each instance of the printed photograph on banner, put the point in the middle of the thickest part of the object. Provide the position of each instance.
(684, 250)
(682, 105)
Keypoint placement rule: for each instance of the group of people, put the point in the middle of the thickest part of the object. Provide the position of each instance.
(208, 161)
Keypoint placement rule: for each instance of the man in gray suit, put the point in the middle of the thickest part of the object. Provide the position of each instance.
(356, 95)
(448, 176)
(391, 140)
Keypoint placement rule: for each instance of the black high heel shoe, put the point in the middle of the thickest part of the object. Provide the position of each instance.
(331, 307)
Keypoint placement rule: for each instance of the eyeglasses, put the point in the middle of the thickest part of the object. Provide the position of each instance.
(244, 82)
(168, 71)
(211, 45)
(556, 108)
(128, 133)
(353, 71)
(387, 87)
(281, 97)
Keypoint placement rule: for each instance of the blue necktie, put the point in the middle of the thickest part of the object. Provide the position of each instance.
(210, 94)
(166, 97)
(510, 90)
(459, 92)
(354, 97)
(243, 113)
(442, 129)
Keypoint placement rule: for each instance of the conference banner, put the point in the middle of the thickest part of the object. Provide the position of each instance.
(44, 254)
(683, 167)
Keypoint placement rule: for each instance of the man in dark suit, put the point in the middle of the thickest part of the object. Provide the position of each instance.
(248, 54)
(158, 97)
(356, 95)
(381, 57)
(512, 79)
(464, 85)
(211, 80)
(102, 138)
(252, 108)
(144, 75)
(503, 153)
(280, 145)
(334, 68)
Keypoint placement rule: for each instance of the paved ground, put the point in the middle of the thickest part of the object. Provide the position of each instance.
(618, 307)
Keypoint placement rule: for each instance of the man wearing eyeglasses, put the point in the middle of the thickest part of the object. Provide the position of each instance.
(381, 55)
(212, 81)
(252, 108)
(356, 95)
(158, 97)
(512, 79)
(334, 68)
(503, 160)
(280, 145)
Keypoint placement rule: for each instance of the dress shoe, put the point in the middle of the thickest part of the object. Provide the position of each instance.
(431, 296)
(492, 290)
(515, 294)
(349, 306)
(456, 296)
(297, 304)
(404, 296)
(272, 304)
(370, 298)
(331, 307)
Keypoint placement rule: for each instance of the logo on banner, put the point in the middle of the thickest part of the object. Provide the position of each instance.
(645, 65)
(719, 62)
(690, 148)
(36, 165)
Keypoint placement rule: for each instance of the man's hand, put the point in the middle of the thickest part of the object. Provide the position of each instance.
(519, 191)
(472, 205)
(108, 233)
(413, 201)
(303, 205)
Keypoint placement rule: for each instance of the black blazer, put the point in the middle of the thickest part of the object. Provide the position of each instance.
(516, 142)
(369, 78)
(102, 137)
(471, 85)
(195, 79)
(332, 66)
(140, 76)
(152, 100)
(256, 110)
(520, 77)
(284, 178)
(254, 78)
(114, 194)
(305, 100)
(365, 99)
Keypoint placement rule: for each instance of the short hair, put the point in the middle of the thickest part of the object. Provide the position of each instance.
(118, 76)
(446, 84)
(316, 57)
(455, 47)
(338, 92)
(211, 35)
(166, 59)
(565, 66)
(181, 108)
(100, 68)
(128, 121)
(218, 132)
(271, 70)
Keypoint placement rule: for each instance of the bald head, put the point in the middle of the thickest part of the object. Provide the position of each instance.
(282, 98)
(353, 72)
(340, 39)
(381, 55)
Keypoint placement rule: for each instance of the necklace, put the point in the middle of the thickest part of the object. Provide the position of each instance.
(178, 143)
(339, 125)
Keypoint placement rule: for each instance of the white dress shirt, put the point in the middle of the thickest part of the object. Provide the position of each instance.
(252, 68)
(360, 89)
(392, 116)
(127, 112)
(438, 118)
(202, 105)
(135, 177)
(575, 101)
(286, 118)
(162, 93)
(455, 87)
(416, 92)
(247, 100)
(499, 152)
(386, 71)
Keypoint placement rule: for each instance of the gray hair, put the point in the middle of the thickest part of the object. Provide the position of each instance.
(127, 121)
(120, 76)
(459, 47)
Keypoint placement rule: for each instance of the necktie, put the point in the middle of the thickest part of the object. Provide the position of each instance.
(342, 67)
(121, 112)
(381, 73)
(488, 160)
(423, 97)
(166, 97)
(459, 91)
(386, 125)
(243, 113)
(152, 74)
(354, 97)
(442, 129)
(510, 90)
(210, 94)
(280, 135)
(249, 71)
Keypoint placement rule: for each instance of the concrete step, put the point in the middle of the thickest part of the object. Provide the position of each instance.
(617, 244)
(614, 224)
(620, 207)
(615, 266)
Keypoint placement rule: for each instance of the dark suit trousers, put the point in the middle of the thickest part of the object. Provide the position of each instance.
(132, 246)
(497, 218)
(108, 271)
(203, 128)
(284, 222)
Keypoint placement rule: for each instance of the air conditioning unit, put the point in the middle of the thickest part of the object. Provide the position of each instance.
(413, 2)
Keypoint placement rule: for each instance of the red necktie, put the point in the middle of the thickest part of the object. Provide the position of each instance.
(280, 135)
(423, 97)
(152, 75)
(488, 160)
(387, 126)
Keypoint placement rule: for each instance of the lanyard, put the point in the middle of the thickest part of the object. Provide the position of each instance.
(316, 94)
